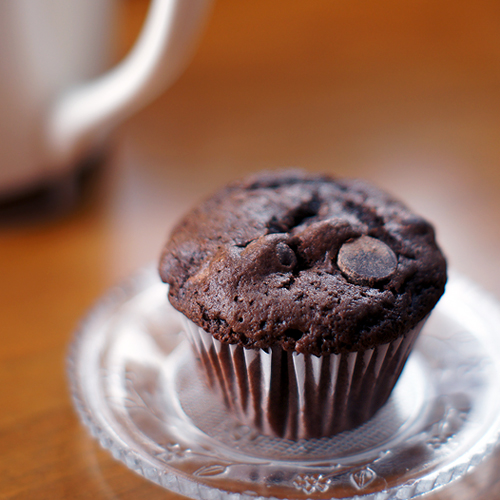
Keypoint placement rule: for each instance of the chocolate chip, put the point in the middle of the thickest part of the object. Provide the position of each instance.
(366, 260)
(286, 255)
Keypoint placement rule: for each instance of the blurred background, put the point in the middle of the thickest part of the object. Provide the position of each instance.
(404, 93)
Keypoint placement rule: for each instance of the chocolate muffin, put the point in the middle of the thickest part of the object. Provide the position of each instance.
(303, 295)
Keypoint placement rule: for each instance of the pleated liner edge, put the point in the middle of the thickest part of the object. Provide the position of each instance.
(299, 396)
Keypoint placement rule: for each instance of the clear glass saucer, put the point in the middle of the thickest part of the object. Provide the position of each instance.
(136, 387)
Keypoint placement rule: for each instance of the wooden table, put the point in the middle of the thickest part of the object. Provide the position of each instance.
(406, 94)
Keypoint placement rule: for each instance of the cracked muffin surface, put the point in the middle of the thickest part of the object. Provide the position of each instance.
(257, 264)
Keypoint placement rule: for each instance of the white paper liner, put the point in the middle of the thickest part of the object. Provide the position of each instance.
(295, 396)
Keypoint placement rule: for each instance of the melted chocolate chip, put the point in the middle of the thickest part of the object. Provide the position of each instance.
(366, 260)
(286, 255)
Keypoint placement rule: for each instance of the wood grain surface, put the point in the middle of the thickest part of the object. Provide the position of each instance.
(403, 93)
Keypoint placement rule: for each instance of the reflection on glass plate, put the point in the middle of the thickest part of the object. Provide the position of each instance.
(136, 387)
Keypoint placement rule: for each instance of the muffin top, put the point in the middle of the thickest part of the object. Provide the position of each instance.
(308, 262)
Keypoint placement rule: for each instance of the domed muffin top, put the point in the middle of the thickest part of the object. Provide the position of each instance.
(305, 261)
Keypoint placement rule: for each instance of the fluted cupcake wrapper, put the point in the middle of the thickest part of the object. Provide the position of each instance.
(292, 395)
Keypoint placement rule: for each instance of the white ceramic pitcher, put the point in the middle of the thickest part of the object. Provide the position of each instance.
(54, 108)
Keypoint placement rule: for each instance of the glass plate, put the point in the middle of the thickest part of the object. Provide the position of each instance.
(136, 387)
